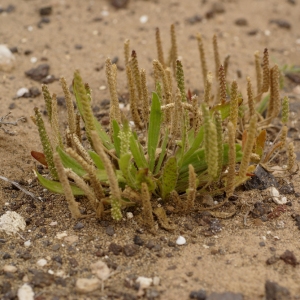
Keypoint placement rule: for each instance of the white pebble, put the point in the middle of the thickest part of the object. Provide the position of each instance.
(144, 19)
(27, 244)
(144, 282)
(129, 215)
(7, 59)
(54, 223)
(180, 240)
(42, 262)
(101, 269)
(29, 28)
(86, 285)
(33, 60)
(156, 280)
(102, 87)
(50, 272)
(25, 292)
(274, 193)
(10, 269)
(21, 92)
(61, 235)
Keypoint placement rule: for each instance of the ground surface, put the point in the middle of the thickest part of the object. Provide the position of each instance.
(80, 35)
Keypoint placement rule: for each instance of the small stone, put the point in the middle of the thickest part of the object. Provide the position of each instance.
(42, 262)
(73, 262)
(218, 8)
(241, 22)
(42, 279)
(150, 244)
(10, 269)
(21, 92)
(199, 295)
(12, 105)
(27, 244)
(25, 292)
(86, 285)
(58, 259)
(78, 226)
(46, 11)
(129, 215)
(144, 282)
(55, 247)
(262, 244)
(282, 23)
(289, 258)
(194, 19)
(115, 249)
(225, 296)
(276, 292)
(180, 241)
(156, 280)
(100, 269)
(144, 19)
(138, 240)
(38, 73)
(6, 256)
(7, 59)
(119, 3)
(272, 260)
(152, 294)
(287, 189)
(78, 47)
(25, 255)
(130, 249)
(110, 230)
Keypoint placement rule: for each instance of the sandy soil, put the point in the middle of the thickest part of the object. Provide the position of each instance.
(80, 35)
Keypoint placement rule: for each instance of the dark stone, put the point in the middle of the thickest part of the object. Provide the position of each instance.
(130, 249)
(39, 222)
(78, 47)
(261, 180)
(45, 20)
(27, 52)
(119, 3)
(194, 19)
(252, 32)
(46, 11)
(13, 49)
(115, 60)
(262, 244)
(199, 295)
(218, 8)
(287, 189)
(241, 22)
(281, 23)
(110, 230)
(293, 2)
(25, 255)
(171, 244)
(97, 19)
(289, 258)
(6, 256)
(276, 292)
(57, 259)
(49, 79)
(272, 260)
(215, 226)
(34, 92)
(152, 294)
(150, 244)
(105, 102)
(61, 281)
(115, 249)
(10, 8)
(225, 296)
(38, 73)
(297, 219)
(138, 240)
(73, 262)
(2, 241)
(78, 226)
(42, 279)
(260, 209)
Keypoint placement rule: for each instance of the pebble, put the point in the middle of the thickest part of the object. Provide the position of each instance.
(42, 279)
(61, 235)
(272, 260)
(58, 259)
(144, 282)
(71, 239)
(10, 269)
(274, 193)
(12, 222)
(287, 189)
(6, 256)
(241, 22)
(39, 73)
(144, 19)
(115, 249)
(110, 230)
(55, 247)
(45, 11)
(276, 292)
(119, 3)
(27, 244)
(138, 240)
(282, 23)
(86, 285)
(42, 262)
(130, 249)
(78, 226)
(156, 280)
(7, 59)
(25, 292)
(289, 258)
(129, 215)
(180, 241)
(100, 269)
(21, 92)
(25, 255)
(199, 295)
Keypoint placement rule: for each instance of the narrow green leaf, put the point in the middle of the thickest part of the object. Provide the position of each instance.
(169, 177)
(128, 170)
(137, 153)
(163, 152)
(224, 109)
(117, 141)
(56, 187)
(154, 129)
(103, 135)
(96, 159)
(70, 163)
(263, 104)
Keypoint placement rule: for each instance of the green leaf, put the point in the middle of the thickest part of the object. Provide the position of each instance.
(224, 109)
(103, 135)
(137, 153)
(96, 159)
(154, 129)
(128, 170)
(117, 141)
(263, 104)
(70, 163)
(169, 177)
(163, 152)
(56, 187)
(195, 146)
